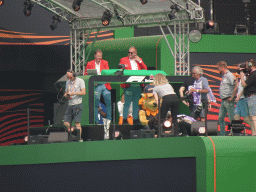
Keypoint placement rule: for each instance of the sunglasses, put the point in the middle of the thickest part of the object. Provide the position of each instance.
(130, 52)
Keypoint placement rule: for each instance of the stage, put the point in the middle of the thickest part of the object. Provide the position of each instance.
(160, 164)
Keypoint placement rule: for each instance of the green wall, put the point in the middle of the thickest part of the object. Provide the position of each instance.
(225, 44)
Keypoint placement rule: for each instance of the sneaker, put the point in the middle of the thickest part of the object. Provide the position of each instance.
(80, 140)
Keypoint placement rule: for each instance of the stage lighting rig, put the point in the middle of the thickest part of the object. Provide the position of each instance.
(76, 5)
(27, 8)
(174, 9)
(143, 2)
(106, 18)
(1, 2)
(56, 20)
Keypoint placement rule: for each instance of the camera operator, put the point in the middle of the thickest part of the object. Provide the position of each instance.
(250, 91)
(241, 109)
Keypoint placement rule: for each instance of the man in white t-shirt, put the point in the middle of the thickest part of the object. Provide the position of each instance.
(75, 88)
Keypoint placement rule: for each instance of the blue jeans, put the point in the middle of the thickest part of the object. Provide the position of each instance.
(101, 89)
(225, 107)
(132, 93)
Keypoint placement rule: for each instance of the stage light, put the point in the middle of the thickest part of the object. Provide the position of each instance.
(76, 5)
(167, 124)
(201, 130)
(174, 10)
(56, 20)
(27, 8)
(198, 128)
(143, 2)
(211, 27)
(1, 2)
(106, 18)
(241, 30)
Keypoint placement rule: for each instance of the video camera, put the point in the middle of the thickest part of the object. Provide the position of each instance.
(242, 68)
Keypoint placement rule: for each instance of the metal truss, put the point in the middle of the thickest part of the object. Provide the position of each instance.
(78, 45)
(64, 12)
(180, 53)
(125, 17)
(195, 11)
(146, 20)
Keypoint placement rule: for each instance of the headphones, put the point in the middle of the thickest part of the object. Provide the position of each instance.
(71, 71)
(251, 62)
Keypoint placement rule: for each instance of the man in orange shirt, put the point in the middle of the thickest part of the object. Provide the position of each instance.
(132, 92)
(99, 64)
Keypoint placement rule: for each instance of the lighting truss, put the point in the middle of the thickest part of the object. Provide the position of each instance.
(126, 17)
(60, 10)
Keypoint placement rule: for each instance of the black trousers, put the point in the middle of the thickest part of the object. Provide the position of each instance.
(169, 102)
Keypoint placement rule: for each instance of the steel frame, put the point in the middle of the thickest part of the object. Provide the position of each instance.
(189, 12)
(180, 53)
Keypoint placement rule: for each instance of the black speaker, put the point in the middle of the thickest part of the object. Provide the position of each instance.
(38, 139)
(198, 128)
(142, 134)
(58, 137)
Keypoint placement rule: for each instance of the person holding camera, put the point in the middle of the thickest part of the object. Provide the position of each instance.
(241, 109)
(75, 88)
(250, 91)
(228, 89)
(199, 92)
(132, 92)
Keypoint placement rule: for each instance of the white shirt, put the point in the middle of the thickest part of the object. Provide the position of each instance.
(97, 66)
(134, 64)
(241, 88)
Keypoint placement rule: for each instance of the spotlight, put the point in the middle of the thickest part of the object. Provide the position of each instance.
(76, 5)
(56, 20)
(143, 2)
(198, 128)
(209, 25)
(174, 10)
(167, 124)
(211, 28)
(27, 8)
(1, 2)
(106, 18)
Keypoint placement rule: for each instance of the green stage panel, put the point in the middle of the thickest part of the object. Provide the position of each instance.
(222, 163)
(225, 44)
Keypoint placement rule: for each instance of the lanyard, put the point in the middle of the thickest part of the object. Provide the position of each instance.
(73, 87)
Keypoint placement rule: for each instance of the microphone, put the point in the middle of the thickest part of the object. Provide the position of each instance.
(121, 66)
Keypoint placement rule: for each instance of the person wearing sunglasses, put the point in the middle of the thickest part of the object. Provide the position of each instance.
(132, 92)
